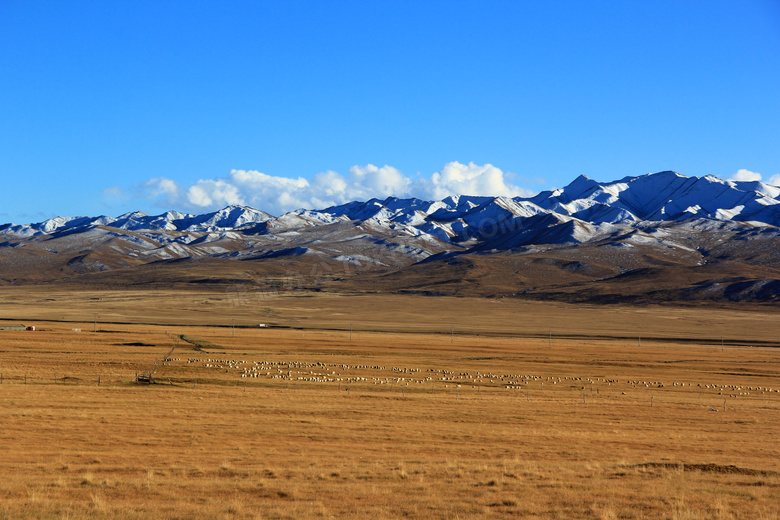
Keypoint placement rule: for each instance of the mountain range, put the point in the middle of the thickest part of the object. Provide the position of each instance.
(652, 238)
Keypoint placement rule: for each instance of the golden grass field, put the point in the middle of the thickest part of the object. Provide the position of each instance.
(527, 410)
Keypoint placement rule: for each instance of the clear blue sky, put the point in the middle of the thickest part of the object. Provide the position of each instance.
(111, 106)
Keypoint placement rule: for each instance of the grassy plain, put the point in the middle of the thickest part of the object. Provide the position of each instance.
(448, 408)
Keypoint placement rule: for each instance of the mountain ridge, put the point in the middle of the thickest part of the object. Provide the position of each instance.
(584, 233)
(679, 198)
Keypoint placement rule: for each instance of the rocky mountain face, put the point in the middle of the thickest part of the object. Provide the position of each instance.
(657, 237)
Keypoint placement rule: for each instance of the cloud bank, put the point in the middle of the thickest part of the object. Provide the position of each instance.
(747, 175)
(277, 195)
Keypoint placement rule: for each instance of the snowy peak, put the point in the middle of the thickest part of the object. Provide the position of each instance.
(230, 217)
(664, 196)
(657, 197)
(580, 188)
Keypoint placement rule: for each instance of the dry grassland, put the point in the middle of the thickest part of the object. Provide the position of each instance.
(398, 419)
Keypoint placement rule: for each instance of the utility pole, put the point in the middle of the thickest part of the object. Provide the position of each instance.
(96, 317)
(234, 327)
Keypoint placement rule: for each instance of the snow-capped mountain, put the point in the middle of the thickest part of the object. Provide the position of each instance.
(225, 219)
(664, 196)
(664, 216)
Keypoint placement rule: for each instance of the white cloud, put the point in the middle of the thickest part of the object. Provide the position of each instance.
(113, 196)
(164, 191)
(114, 191)
(262, 191)
(470, 179)
(330, 183)
(277, 195)
(745, 175)
(217, 192)
(379, 182)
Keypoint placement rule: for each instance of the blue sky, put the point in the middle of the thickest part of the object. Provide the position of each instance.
(107, 107)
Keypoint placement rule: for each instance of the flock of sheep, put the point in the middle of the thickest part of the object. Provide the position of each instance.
(319, 372)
